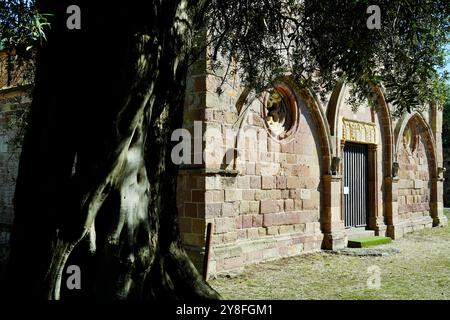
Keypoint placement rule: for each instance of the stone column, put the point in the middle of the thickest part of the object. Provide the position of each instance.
(436, 127)
(375, 214)
(391, 207)
(437, 202)
(437, 191)
(333, 223)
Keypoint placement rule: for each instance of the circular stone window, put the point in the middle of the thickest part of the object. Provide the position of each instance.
(280, 112)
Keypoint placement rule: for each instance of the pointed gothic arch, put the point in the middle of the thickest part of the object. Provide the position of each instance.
(417, 120)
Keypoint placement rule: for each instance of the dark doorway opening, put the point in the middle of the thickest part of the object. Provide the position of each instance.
(356, 186)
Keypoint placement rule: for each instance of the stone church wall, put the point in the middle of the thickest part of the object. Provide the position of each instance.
(270, 181)
(265, 203)
(14, 100)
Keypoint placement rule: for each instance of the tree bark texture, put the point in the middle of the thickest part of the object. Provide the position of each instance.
(96, 185)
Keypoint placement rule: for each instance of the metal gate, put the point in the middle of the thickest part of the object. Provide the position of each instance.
(355, 185)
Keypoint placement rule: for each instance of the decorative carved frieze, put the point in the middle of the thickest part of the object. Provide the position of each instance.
(357, 131)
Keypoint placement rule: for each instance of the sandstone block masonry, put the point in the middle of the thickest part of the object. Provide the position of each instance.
(11, 110)
(272, 180)
(14, 102)
(282, 197)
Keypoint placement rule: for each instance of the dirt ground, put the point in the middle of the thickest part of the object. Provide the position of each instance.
(414, 267)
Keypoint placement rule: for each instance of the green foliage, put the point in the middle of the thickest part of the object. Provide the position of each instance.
(318, 42)
(21, 25)
(21, 29)
(322, 42)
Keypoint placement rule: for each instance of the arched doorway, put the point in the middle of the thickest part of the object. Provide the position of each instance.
(306, 144)
(363, 144)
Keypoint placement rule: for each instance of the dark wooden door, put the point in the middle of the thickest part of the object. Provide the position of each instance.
(355, 184)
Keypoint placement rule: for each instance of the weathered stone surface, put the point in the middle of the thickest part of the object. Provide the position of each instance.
(255, 182)
(268, 182)
(279, 199)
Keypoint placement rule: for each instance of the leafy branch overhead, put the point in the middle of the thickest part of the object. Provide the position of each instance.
(323, 42)
(22, 29)
(22, 26)
(318, 42)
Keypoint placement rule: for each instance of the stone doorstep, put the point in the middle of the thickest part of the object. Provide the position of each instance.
(368, 241)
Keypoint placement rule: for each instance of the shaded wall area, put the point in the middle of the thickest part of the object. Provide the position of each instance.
(414, 190)
(14, 102)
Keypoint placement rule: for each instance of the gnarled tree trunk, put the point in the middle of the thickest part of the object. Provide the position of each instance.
(96, 185)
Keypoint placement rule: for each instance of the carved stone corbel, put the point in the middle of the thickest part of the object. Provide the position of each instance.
(395, 168)
(441, 173)
(335, 165)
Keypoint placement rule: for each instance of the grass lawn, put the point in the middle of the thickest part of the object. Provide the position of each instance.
(421, 270)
